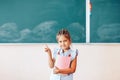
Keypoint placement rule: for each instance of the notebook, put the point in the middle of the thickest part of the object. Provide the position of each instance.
(62, 62)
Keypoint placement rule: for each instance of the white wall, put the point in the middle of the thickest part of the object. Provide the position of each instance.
(29, 62)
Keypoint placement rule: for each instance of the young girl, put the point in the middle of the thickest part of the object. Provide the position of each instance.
(64, 41)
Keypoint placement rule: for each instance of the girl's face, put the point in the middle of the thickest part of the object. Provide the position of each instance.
(64, 42)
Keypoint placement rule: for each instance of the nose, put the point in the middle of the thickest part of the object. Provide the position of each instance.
(63, 43)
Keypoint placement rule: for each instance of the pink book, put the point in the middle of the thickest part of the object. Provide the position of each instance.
(62, 62)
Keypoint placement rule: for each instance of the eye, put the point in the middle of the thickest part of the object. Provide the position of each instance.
(60, 41)
(65, 40)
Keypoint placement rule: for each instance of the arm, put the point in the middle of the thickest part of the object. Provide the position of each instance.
(68, 70)
(50, 60)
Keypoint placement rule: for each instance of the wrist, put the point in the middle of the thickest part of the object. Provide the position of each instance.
(59, 71)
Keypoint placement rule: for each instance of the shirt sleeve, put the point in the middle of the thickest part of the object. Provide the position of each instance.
(74, 53)
(77, 52)
(54, 52)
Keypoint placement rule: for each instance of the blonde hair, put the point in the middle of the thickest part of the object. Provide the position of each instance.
(65, 33)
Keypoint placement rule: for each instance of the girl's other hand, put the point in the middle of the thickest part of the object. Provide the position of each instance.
(56, 70)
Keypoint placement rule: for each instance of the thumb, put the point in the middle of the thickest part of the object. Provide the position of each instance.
(56, 67)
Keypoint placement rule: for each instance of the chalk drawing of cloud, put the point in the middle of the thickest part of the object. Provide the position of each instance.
(110, 32)
(44, 31)
(41, 33)
(25, 36)
(8, 32)
(78, 32)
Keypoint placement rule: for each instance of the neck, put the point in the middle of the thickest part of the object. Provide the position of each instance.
(64, 50)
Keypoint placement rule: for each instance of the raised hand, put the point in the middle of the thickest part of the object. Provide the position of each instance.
(47, 49)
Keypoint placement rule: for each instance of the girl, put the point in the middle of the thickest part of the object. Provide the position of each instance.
(64, 41)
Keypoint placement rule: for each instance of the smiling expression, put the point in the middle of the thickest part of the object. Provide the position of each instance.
(64, 42)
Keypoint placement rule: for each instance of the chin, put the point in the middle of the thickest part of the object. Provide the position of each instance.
(64, 48)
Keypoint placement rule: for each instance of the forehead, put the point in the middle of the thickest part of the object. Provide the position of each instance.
(62, 37)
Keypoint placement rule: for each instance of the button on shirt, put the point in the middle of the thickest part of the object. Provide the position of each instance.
(73, 54)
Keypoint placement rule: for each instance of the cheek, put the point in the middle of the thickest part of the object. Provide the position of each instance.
(68, 44)
(60, 44)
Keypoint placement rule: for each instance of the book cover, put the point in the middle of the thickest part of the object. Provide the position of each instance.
(62, 62)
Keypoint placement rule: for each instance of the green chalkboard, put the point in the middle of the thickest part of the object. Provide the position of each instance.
(38, 21)
(105, 21)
